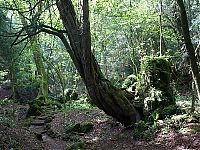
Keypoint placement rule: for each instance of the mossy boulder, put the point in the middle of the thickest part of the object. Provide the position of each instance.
(34, 110)
(35, 107)
(154, 84)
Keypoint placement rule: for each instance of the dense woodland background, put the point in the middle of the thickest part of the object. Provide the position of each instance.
(62, 61)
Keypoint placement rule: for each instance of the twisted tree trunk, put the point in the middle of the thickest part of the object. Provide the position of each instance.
(118, 103)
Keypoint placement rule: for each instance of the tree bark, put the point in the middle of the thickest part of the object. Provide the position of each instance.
(115, 102)
(37, 55)
(189, 46)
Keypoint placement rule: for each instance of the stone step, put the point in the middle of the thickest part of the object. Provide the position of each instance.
(37, 129)
(38, 122)
(42, 117)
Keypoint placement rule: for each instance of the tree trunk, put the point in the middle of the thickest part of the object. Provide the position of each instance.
(115, 102)
(189, 47)
(37, 55)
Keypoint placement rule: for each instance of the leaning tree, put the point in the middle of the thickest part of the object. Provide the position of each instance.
(114, 101)
(76, 37)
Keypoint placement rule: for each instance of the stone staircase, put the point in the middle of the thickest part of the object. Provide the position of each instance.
(38, 128)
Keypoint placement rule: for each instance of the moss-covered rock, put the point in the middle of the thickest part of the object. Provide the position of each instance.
(154, 84)
(34, 110)
(35, 107)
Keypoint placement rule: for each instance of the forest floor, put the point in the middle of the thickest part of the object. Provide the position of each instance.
(41, 133)
(106, 133)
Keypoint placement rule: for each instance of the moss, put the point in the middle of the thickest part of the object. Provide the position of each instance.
(129, 81)
(71, 137)
(168, 111)
(154, 83)
(71, 128)
(34, 110)
(163, 112)
(79, 128)
(86, 127)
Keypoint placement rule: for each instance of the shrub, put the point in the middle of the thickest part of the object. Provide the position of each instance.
(143, 130)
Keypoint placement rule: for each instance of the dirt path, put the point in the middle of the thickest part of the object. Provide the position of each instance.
(106, 134)
(50, 143)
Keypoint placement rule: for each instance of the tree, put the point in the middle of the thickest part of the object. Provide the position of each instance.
(9, 55)
(189, 47)
(115, 102)
(76, 38)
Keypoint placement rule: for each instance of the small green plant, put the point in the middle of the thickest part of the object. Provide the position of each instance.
(155, 117)
(143, 130)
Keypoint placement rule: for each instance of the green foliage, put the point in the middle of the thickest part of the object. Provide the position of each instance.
(130, 80)
(55, 105)
(161, 113)
(143, 130)
(4, 102)
(83, 102)
(155, 117)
